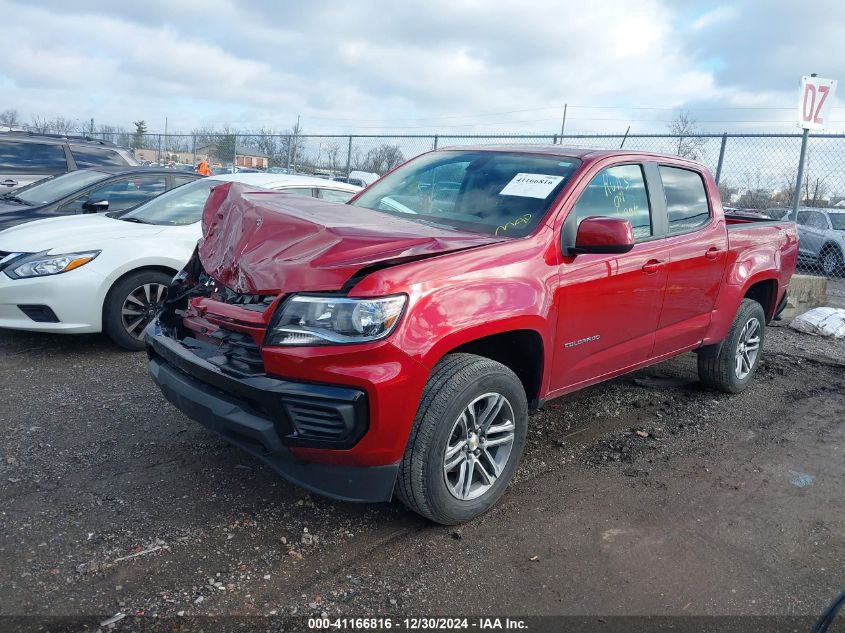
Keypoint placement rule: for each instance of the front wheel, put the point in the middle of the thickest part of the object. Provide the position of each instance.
(466, 441)
(732, 368)
(132, 304)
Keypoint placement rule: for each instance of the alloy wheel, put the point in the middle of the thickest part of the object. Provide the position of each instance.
(479, 446)
(747, 349)
(830, 263)
(140, 307)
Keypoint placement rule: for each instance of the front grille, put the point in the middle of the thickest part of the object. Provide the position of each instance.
(237, 351)
(312, 420)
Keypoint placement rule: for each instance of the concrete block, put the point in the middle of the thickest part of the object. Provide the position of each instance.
(805, 293)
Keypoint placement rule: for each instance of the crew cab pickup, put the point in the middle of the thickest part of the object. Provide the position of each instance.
(398, 342)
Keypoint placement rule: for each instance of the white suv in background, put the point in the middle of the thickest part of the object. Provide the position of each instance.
(822, 238)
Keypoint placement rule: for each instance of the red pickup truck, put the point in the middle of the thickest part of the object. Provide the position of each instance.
(397, 343)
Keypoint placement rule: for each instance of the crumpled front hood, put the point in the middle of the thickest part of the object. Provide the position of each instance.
(258, 242)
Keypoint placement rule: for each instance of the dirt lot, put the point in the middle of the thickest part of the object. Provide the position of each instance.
(113, 502)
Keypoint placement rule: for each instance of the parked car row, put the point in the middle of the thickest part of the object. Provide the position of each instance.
(122, 261)
(26, 157)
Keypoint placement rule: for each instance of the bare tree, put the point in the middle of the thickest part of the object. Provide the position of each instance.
(10, 118)
(382, 159)
(689, 145)
(61, 125)
(39, 124)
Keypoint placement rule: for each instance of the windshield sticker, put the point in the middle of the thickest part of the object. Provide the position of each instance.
(513, 224)
(531, 186)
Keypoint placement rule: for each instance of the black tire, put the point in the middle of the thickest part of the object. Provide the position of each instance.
(721, 371)
(113, 322)
(832, 261)
(458, 382)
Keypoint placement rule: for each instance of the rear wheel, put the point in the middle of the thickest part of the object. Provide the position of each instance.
(466, 441)
(132, 304)
(732, 368)
(832, 262)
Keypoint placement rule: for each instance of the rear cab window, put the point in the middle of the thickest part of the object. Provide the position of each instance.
(686, 199)
(24, 157)
(618, 192)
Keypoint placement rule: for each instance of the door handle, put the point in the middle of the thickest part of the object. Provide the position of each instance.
(712, 253)
(9, 182)
(652, 266)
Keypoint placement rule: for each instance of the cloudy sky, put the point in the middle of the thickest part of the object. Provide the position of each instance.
(419, 67)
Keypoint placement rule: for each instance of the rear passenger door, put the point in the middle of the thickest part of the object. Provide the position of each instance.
(814, 233)
(696, 245)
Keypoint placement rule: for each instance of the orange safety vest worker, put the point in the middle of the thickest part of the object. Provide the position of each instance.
(203, 168)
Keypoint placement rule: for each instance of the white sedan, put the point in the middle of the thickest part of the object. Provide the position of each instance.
(110, 272)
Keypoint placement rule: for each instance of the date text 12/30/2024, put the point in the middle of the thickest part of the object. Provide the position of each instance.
(417, 624)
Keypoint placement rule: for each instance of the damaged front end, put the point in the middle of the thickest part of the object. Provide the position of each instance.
(217, 324)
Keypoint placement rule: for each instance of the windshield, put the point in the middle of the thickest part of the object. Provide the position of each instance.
(55, 188)
(837, 220)
(494, 193)
(182, 205)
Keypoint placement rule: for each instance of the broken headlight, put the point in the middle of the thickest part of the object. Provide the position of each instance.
(332, 320)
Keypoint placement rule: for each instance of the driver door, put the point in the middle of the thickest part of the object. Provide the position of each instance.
(609, 305)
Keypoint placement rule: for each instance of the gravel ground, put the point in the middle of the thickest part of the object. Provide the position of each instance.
(647, 495)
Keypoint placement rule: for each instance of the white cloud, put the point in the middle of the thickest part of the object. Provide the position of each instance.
(375, 65)
(716, 16)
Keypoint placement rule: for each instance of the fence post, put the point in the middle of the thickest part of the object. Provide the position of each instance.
(349, 157)
(194, 148)
(288, 167)
(796, 198)
(721, 157)
(554, 139)
(158, 155)
(435, 141)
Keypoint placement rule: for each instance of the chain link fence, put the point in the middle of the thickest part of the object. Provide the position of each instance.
(756, 172)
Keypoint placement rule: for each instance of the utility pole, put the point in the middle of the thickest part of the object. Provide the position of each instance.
(563, 123)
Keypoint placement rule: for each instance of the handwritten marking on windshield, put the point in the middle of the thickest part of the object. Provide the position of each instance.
(513, 224)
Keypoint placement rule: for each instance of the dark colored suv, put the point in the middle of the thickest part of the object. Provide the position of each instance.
(26, 156)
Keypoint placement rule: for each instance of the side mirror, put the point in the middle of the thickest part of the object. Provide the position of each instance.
(604, 235)
(95, 206)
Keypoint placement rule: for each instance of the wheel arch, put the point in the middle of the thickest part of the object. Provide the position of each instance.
(168, 270)
(519, 349)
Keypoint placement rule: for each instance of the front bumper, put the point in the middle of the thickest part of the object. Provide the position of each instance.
(75, 298)
(252, 413)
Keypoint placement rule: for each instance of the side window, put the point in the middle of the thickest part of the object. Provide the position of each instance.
(178, 181)
(19, 157)
(618, 192)
(300, 191)
(335, 195)
(686, 199)
(818, 221)
(96, 157)
(123, 194)
(803, 217)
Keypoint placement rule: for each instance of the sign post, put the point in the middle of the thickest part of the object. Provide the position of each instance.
(813, 111)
